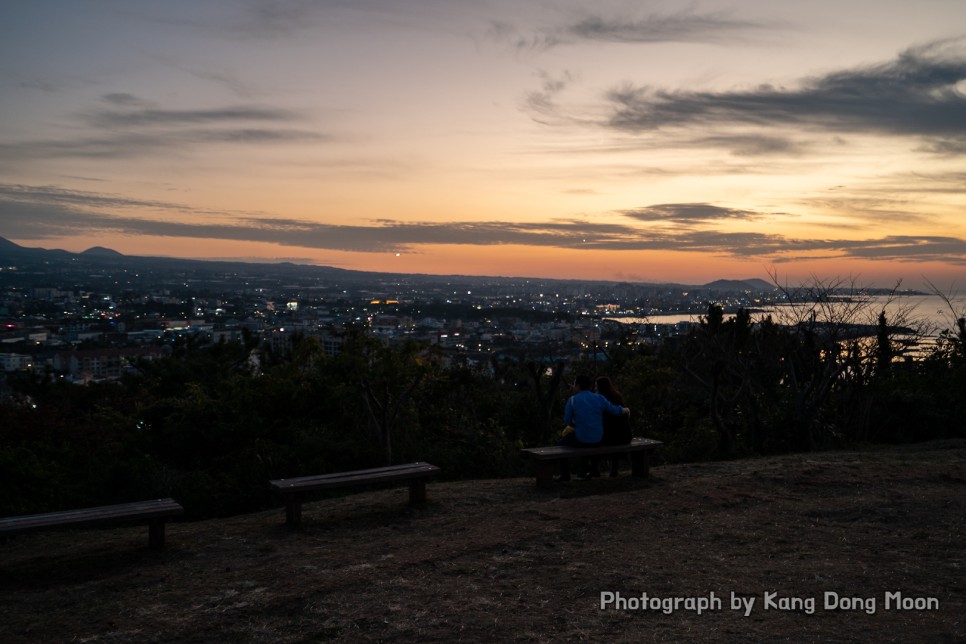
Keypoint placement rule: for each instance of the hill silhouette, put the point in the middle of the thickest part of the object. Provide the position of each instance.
(498, 560)
(100, 251)
(99, 256)
(751, 284)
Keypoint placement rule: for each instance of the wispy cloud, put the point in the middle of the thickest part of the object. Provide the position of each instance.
(130, 145)
(36, 212)
(134, 127)
(688, 213)
(161, 117)
(124, 99)
(541, 104)
(752, 144)
(275, 18)
(911, 247)
(250, 20)
(683, 26)
(41, 196)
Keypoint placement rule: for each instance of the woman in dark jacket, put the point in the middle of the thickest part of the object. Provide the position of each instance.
(617, 429)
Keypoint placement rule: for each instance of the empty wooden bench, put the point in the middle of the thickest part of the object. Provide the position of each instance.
(294, 490)
(154, 512)
(639, 451)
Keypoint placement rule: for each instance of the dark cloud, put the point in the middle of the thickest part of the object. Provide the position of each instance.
(687, 213)
(42, 85)
(53, 195)
(107, 146)
(916, 94)
(252, 135)
(155, 117)
(128, 145)
(124, 99)
(36, 212)
(752, 145)
(952, 148)
(47, 211)
(134, 131)
(684, 26)
(911, 247)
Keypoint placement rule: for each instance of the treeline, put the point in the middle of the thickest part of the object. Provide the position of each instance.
(212, 424)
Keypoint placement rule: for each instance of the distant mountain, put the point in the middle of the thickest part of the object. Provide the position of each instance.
(100, 251)
(753, 284)
(10, 249)
(7, 246)
(99, 259)
(99, 256)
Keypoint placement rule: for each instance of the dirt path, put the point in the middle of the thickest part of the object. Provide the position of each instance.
(499, 560)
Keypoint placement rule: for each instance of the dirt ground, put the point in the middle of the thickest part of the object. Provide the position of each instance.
(763, 547)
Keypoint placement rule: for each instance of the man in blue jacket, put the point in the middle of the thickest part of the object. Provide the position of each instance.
(584, 412)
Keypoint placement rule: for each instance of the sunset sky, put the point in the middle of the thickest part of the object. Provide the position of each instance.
(643, 141)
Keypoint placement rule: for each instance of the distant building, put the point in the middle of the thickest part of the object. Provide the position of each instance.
(389, 326)
(331, 344)
(89, 365)
(15, 362)
(33, 334)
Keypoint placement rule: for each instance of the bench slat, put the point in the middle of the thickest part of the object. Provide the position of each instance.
(154, 512)
(136, 510)
(345, 479)
(293, 489)
(638, 450)
(556, 452)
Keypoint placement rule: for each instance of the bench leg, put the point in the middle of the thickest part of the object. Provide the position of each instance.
(417, 491)
(156, 534)
(544, 471)
(640, 461)
(293, 510)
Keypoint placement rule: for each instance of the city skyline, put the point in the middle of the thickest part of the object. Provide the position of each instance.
(626, 142)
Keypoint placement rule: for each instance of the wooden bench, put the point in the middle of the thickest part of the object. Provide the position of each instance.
(639, 450)
(294, 490)
(155, 512)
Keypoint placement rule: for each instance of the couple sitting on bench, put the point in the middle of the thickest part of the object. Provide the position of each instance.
(594, 418)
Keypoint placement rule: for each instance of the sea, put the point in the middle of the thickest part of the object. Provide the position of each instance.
(928, 314)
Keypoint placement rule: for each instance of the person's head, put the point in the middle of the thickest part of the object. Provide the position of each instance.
(604, 386)
(583, 382)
